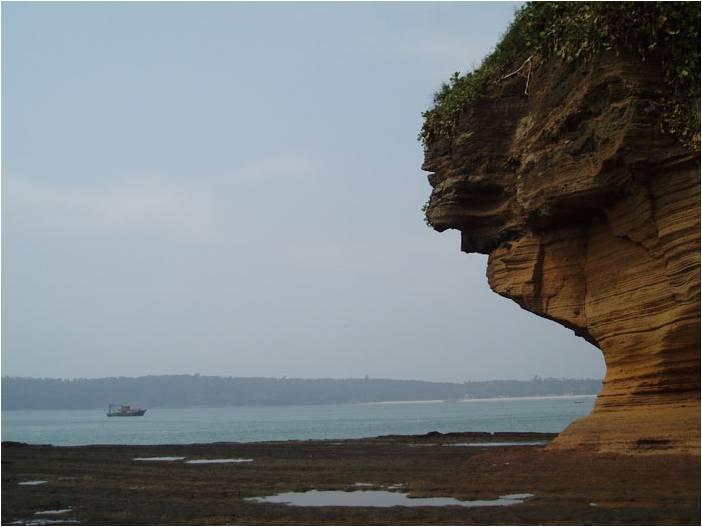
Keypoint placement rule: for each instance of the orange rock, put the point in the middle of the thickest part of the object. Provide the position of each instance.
(591, 218)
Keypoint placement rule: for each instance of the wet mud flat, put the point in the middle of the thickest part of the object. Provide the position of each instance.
(483, 482)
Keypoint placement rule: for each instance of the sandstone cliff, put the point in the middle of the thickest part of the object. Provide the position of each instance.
(591, 218)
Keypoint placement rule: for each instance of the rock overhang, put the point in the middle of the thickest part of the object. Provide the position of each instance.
(590, 215)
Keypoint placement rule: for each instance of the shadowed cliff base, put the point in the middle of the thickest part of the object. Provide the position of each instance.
(563, 171)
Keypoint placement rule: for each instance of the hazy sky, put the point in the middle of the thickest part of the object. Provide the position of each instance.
(234, 189)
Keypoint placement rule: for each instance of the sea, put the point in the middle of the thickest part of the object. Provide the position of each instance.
(281, 423)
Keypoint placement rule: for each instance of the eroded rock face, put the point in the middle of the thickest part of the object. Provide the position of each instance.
(591, 218)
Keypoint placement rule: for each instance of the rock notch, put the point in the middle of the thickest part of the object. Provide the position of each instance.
(590, 216)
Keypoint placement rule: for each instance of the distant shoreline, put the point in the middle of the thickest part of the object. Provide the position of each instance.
(369, 403)
(484, 399)
(191, 391)
(528, 397)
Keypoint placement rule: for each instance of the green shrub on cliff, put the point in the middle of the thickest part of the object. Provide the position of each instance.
(577, 31)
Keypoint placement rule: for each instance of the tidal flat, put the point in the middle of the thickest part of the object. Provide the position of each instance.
(105, 485)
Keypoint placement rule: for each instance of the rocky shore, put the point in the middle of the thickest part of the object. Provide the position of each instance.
(124, 485)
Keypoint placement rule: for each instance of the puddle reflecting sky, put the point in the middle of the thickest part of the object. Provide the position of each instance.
(504, 443)
(162, 458)
(208, 461)
(380, 498)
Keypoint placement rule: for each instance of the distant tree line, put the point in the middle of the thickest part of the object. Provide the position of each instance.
(183, 391)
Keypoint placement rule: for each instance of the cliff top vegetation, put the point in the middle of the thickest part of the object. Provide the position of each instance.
(668, 32)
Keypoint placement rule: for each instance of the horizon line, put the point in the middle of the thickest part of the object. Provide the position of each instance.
(286, 378)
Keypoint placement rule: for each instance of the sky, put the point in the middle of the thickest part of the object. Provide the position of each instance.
(235, 189)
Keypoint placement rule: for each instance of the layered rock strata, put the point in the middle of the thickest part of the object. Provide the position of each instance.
(591, 218)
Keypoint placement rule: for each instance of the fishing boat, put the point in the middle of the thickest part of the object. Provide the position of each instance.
(124, 410)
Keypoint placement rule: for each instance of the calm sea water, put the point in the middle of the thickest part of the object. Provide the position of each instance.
(278, 423)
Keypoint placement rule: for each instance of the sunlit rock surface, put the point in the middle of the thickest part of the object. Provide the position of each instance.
(591, 218)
